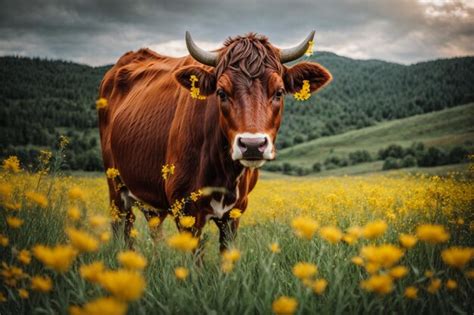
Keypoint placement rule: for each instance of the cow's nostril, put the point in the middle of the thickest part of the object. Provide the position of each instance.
(241, 144)
(263, 145)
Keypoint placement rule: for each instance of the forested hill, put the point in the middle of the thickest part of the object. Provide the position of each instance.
(40, 99)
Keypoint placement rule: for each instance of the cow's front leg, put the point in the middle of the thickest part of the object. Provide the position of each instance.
(227, 231)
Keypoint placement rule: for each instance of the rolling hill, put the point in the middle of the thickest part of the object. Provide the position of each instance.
(444, 129)
(41, 99)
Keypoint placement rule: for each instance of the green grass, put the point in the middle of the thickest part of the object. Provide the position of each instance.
(444, 129)
(258, 278)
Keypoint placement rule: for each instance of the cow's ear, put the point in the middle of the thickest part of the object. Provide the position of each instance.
(206, 79)
(317, 75)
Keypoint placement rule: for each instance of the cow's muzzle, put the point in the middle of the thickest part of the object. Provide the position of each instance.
(252, 149)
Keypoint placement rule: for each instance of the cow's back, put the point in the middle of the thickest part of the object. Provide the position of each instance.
(134, 128)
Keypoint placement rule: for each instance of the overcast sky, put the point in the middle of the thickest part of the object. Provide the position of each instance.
(98, 32)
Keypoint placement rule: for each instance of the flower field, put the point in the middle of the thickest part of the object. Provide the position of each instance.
(373, 244)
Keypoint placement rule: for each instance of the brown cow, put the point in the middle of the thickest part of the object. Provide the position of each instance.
(152, 120)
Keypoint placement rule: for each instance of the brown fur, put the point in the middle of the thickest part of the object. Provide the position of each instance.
(151, 120)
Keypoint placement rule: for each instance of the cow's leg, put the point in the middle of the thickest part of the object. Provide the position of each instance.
(156, 231)
(127, 203)
(227, 231)
(117, 208)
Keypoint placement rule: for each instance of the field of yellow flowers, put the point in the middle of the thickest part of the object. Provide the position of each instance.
(349, 245)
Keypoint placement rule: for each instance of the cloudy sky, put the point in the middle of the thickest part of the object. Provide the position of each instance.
(98, 32)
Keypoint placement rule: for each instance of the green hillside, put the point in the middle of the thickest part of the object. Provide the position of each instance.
(41, 99)
(444, 129)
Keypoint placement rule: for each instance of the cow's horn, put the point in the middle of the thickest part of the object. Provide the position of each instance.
(205, 57)
(290, 54)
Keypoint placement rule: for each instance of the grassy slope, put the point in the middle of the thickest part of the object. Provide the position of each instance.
(445, 128)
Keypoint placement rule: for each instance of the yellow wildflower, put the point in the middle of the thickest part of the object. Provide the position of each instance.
(331, 234)
(235, 214)
(41, 283)
(132, 260)
(74, 213)
(11, 164)
(275, 248)
(112, 173)
(126, 285)
(58, 258)
(385, 255)
(11, 274)
(457, 257)
(432, 233)
(304, 270)
(181, 273)
(357, 260)
(82, 241)
(36, 198)
(374, 229)
(75, 193)
(3, 298)
(411, 292)
(92, 271)
(100, 306)
(284, 305)
(434, 285)
(154, 222)
(195, 91)
(6, 190)
(14, 222)
(177, 206)
(63, 141)
(398, 272)
(101, 103)
(304, 93)
(167, 170)
(407, 241)
(470, 274)
(381, 284)
(196, 195)
(304, 227)
(183, 241)
(319, 286)
(429, 273)
(23, 293)
(187, 221)
(451, 284)
(4, 240)
(349, 239)
(134, 233)
(231, 255)
(24, 257)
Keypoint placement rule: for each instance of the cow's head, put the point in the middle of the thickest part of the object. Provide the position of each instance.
(249, 81)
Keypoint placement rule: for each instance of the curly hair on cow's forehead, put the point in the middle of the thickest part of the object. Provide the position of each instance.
(251, 54)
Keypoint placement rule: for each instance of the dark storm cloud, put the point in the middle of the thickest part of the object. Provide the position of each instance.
(98, 32)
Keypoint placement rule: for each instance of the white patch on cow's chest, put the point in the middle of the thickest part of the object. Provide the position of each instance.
(219, 207)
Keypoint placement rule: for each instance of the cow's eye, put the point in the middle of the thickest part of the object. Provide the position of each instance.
(279, 94)
(222, 95)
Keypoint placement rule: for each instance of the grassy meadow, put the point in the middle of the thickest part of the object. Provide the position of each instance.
(395, 243)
